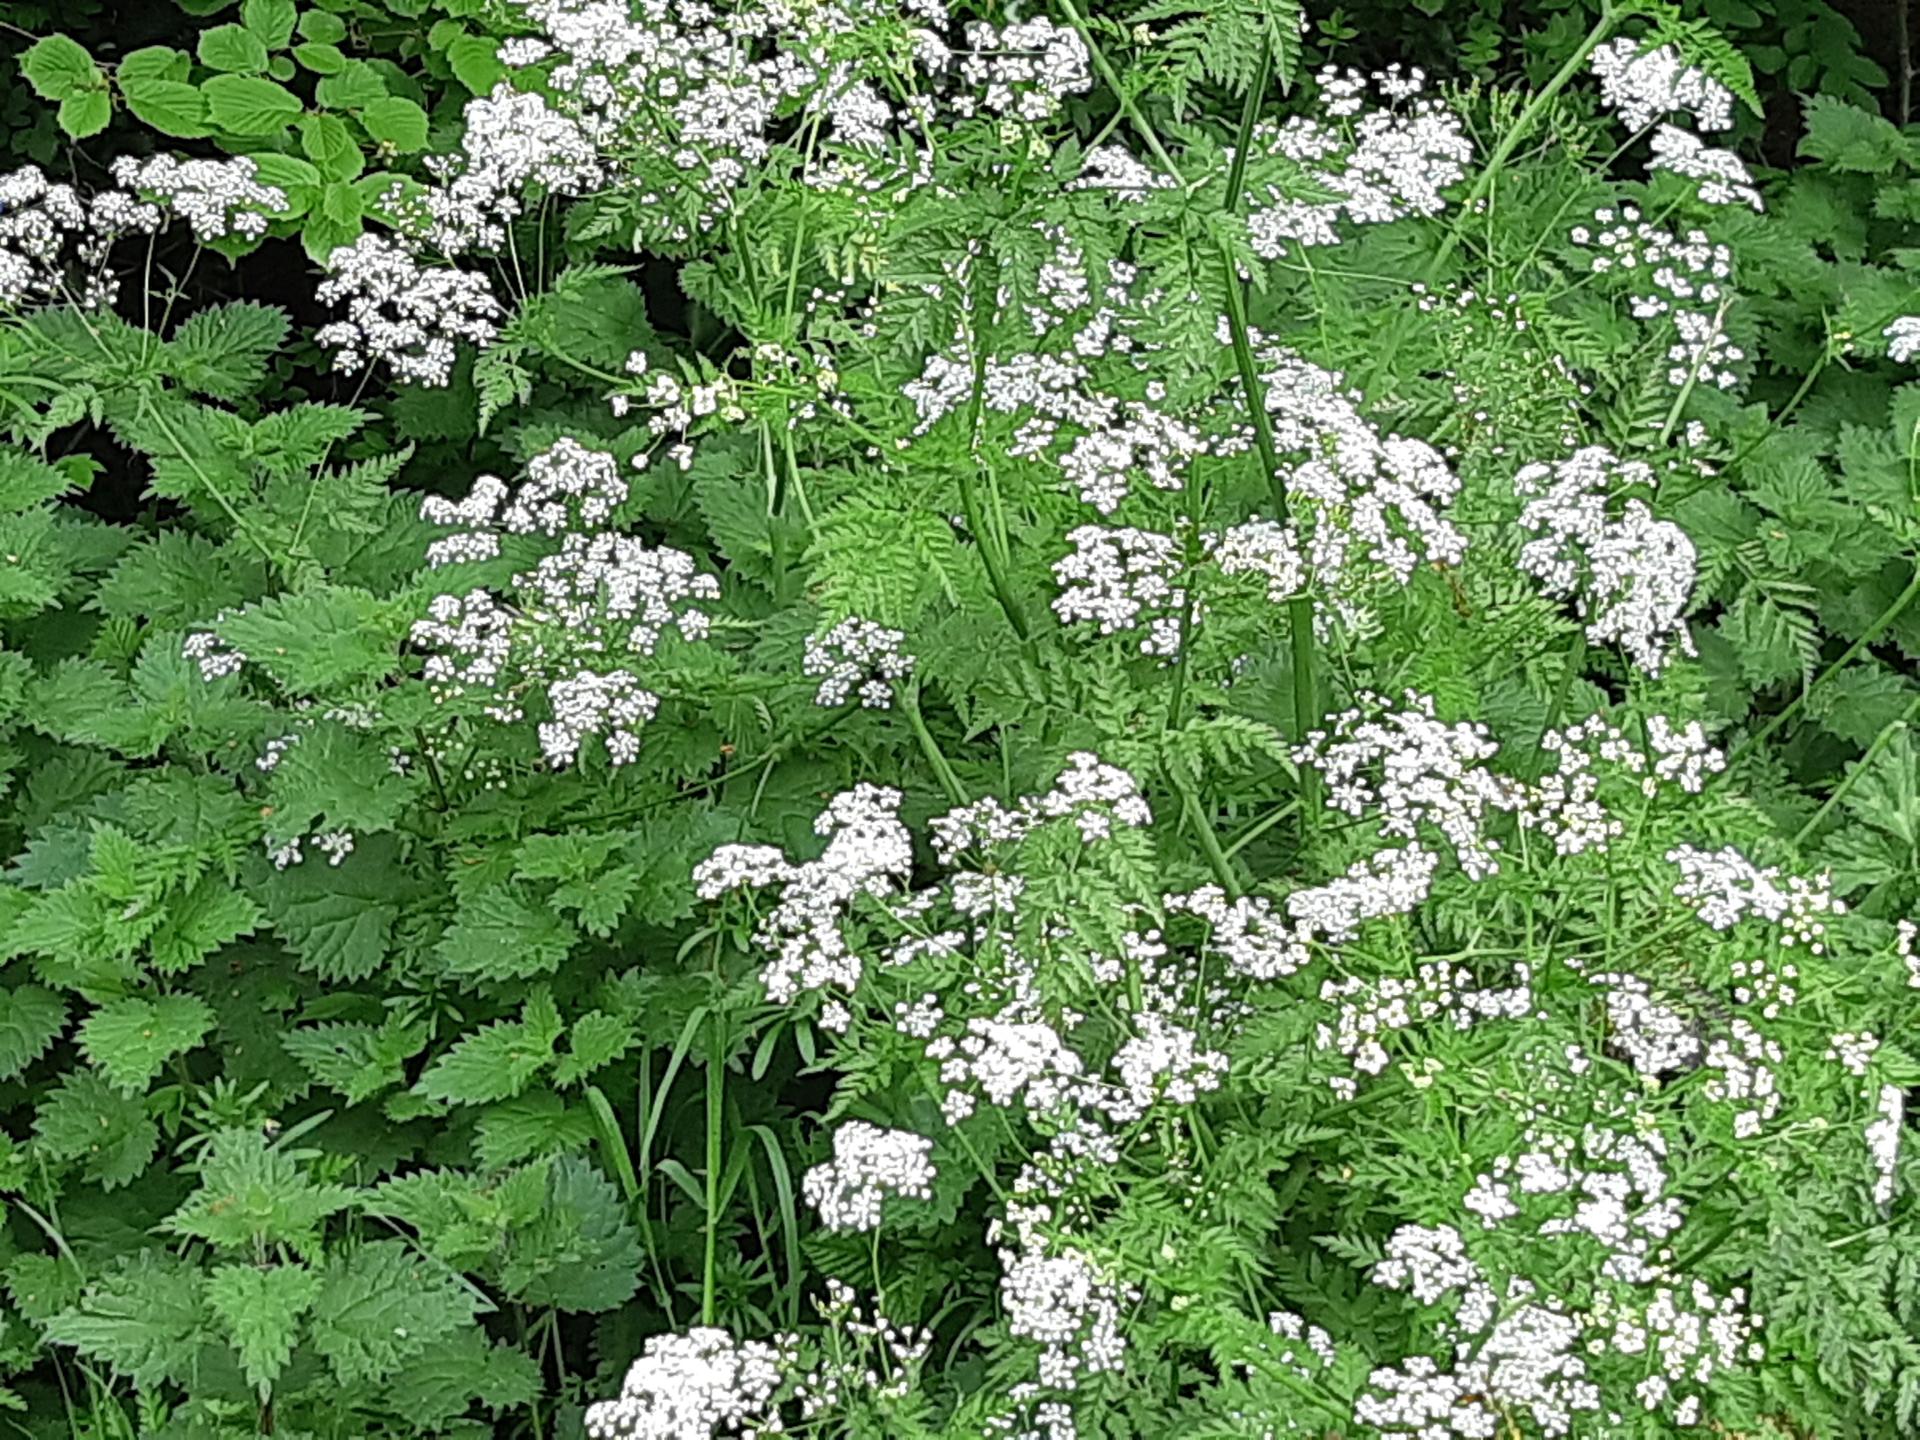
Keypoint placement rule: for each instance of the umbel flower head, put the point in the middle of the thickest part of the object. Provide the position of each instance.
(697, 1386)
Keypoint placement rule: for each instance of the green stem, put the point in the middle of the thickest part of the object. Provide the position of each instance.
(1557, 707)
(1523, 123)
(1217, 860)
(1872, 633)
(716, 1099)
(1120, 95)
(1306, 706)
(949, 782)
(1483, 185)
(988, 542)
(1887, 732)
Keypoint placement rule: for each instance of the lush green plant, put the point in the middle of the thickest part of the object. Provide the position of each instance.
(1125, 753)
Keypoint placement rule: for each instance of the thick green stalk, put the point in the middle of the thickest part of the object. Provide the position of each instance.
(1872, 633)
(943, 771)
(990, 542)
(716, 1100)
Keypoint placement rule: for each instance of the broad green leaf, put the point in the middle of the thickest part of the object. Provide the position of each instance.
(232, 48)
(467, 1367)
(498, 935)
(326, 141)
(271, 20)
(146, 1320)
(339, 919)
(320, 59)
(581, 1253)
(396, 122)
(491, 1064)
(109, 1134)
(358, 1060)
(315, 641)
(153, 62)
(353, 88)
(476, 63)
(253, 1197)
(169, 106)
(84, 115)
(247, 105)
(59, 68)
(322, 27)
(31, 1019)
(595, 1040)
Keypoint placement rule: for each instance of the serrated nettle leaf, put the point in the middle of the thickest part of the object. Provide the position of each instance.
(146, 1320)
(260, 1311)
(131, 1040)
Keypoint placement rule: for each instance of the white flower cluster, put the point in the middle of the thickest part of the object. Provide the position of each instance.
(510, 139)
(336, 845)
(1724, 887)
(1722, 177)
(857, 657)
(1264, 548)
(1854, 1050)
(1565, 804)
(1070, 1306)
(401, 313)
(217, 198)
(1745, 1078)
(1682, 276)
(695, 1386)
(38, 219)
(1254, 940)
(1656, 1039)
(1629, 576)
(1644, 84)
(869, 851)
(869, 1163)
(1366, 1011)
(1024, 70)
(1904, 935)
(1407, 769)
(215, 657)
(1883, 1141)
(871, 1356)
(602, 596)
(1082, 390)
(1903, 339)
(1353, 489)
(1389, 165)
(1094, 795)
(1123, 579)
(1515, 1348)
(1389, 882)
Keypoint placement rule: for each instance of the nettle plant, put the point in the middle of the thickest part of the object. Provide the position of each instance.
(1092, 810)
